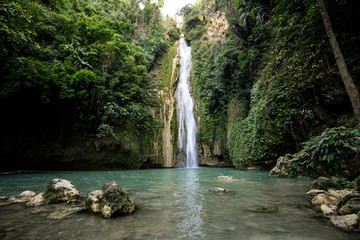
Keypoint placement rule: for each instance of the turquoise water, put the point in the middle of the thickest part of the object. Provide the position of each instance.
(172, 204)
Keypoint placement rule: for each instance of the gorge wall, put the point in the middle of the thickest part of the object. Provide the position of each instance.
(269, 82)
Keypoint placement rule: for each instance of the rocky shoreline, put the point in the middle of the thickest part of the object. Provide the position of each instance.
(109, 201)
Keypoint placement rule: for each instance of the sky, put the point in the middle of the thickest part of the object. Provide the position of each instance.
(172, 6)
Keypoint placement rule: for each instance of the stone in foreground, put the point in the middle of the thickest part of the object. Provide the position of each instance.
(346, 222)
(110, 200)
(61, 190)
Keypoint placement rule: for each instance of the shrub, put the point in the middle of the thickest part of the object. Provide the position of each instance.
(334, 153)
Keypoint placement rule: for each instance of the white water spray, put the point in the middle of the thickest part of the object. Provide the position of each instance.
(185, 111)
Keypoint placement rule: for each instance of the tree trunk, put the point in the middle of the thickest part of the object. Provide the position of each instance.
(344, 72)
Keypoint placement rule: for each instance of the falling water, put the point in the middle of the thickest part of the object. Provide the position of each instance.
(185, 106)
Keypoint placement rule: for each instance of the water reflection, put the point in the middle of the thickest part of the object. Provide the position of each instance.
(188, 206)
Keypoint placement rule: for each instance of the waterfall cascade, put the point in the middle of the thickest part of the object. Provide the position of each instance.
(185, 111)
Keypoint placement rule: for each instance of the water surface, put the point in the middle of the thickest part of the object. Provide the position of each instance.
(173, 204)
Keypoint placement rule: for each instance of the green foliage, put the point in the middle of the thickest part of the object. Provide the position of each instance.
(329, 154)
(276, 58)
(53, 196)
(87, 64)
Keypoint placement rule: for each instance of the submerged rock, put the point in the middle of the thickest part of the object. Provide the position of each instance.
(60, 214)
(110, 200)
(346, 222)
(225, 178)
(218, 189)
(264, 209)
(61, 190)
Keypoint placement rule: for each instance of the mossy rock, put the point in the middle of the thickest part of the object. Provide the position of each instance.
(351, 206)
(61, 190)
(264, 209)
(110, 200)
(324, 183)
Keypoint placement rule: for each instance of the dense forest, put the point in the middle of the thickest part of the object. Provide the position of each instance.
(82, 82)
(72, 71)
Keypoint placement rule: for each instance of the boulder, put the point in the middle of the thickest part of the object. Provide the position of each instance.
(346, 222)
(61, 190)
(340, 193)
(328, 210)
(110, 200)
(37, 200)
(325, 183)
(281, 168)
(325, 199)
(351, 206)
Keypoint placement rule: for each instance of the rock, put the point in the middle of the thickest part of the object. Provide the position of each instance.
(61, 190)
(325, 199)
(110, 200)
(27, 194)
(218, 189)
(357, 184)
(225, 178)
(60, 214)
(346, 222)
(5, 201)
(328, 210)
(325, 183)
(264, 209)
(251, 168)
(314, 192)
(37, 200)
(281, 168)
(340, 193)
(351, 206)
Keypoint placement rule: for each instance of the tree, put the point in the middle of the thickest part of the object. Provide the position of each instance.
(344, 72)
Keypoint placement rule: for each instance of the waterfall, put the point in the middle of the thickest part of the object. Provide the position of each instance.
(185, 111)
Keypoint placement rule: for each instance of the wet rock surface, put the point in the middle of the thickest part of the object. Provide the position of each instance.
(61, 190)
(110, 200)
(218, 189)
(341, 206)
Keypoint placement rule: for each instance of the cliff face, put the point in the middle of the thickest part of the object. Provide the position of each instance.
(167, 146)
(214, 26)
(266, 81)
(217, 25)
